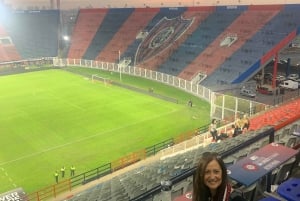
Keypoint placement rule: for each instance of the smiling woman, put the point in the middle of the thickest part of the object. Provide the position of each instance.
(211, 181)
(211, 175)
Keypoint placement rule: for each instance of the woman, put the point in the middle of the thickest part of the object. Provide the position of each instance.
(238, 126)
(246, 122)
(211, 181)
(213, 130)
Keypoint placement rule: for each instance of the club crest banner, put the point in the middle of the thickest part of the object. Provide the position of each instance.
(162, 36)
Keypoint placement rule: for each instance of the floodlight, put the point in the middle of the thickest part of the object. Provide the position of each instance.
(66, 38)
(3, 11)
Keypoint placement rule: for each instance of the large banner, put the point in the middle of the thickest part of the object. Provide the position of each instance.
(13, 195)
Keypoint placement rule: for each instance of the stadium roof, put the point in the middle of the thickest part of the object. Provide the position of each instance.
(71, 4)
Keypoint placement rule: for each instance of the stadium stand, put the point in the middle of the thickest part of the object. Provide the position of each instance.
(245, 62)
(130, 29)
(168, 13)
(208, 30)
(111, 23)
(276, 116)
(8, 51)
(141, 52)
(243, 28)
(87, 24)
(34, 33)
(186, 24)
(137, 181)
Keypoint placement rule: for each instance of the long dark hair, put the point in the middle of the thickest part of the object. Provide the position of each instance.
(200, 191)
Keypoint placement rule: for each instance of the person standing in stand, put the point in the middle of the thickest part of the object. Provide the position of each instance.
(245, 123)
(213, 130)
(238, 126)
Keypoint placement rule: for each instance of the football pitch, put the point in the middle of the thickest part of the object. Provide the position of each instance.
(54, 118)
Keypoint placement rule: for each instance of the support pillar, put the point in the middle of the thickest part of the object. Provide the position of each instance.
(275, 71)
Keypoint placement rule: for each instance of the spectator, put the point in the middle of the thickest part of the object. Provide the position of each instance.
(236, 130)
(230, 131)
(210, 182)
(222, 136)
(213, 130)
(238, 126)
(245, 123)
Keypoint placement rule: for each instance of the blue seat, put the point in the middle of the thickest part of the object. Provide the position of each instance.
(290, 189)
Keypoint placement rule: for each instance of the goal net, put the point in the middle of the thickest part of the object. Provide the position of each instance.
(97, 78)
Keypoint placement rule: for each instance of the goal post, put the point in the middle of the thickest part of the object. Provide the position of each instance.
(97, 78)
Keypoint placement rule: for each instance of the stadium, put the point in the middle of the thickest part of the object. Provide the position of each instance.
(113, 100)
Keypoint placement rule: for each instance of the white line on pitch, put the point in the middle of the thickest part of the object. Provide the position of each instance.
(79, 140)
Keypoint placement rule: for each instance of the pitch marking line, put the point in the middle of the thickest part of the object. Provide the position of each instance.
(82, 139)
(9, 178)
(68, 103)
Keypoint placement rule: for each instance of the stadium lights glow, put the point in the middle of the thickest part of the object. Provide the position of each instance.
(66, 38)
(2, 11)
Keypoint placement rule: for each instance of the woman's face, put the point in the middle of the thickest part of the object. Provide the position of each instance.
(213, 176)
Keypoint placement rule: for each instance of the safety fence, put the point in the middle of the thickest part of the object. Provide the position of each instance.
(223, 106)
(67, 185)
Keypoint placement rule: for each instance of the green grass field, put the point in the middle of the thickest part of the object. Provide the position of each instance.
(54, 118)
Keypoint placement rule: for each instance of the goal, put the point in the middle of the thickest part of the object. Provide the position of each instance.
(97, 78)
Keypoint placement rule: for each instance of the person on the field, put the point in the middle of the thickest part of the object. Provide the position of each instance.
(190, 103)
(72, 170)
(62, 170)
(56, 176)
